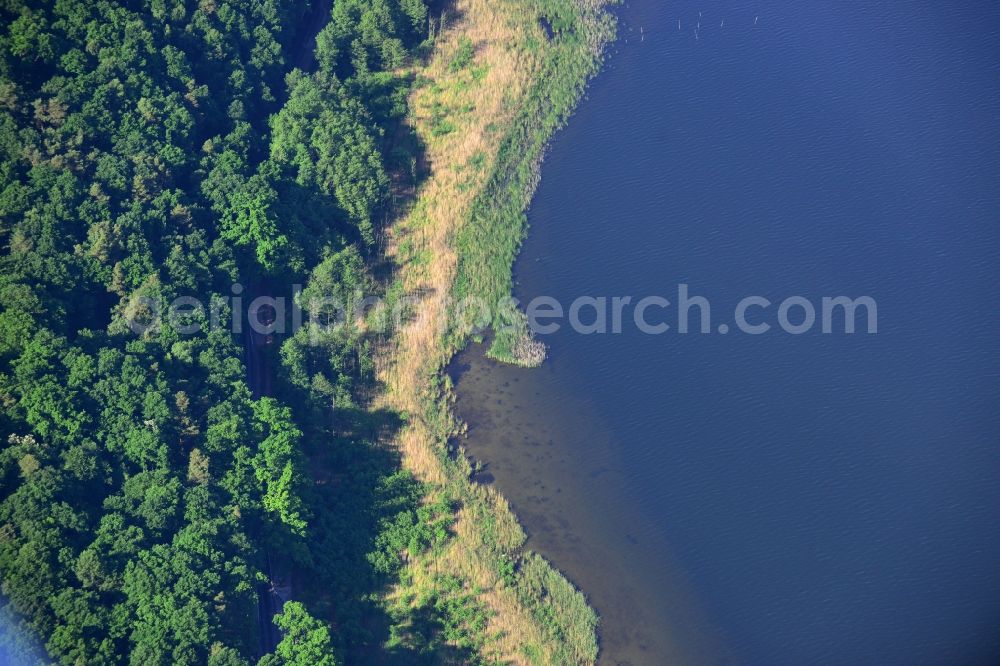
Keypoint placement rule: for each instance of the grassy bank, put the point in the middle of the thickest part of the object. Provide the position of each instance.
(504, 75)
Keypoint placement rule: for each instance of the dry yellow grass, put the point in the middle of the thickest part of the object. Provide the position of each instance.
(442, 205)
(444, 199)
(480, 101)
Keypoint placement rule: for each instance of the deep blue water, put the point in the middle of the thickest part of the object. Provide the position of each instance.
(834, 498)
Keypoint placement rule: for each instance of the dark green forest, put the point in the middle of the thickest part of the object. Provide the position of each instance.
(154, 485)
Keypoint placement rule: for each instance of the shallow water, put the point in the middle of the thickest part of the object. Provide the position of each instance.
(771, 499)
(558, 465)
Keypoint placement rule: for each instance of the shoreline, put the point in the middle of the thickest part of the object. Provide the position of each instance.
(484, 165)
(545, 448)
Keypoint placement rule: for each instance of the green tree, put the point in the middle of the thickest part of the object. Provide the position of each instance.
(306, 641)
(278, 465)
(326, 138)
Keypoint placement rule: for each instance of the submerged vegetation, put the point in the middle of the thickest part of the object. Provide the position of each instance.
(162, 493)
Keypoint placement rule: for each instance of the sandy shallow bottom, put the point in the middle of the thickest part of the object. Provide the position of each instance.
(548, 454)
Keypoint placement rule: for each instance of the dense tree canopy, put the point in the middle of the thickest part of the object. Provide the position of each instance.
(156, 149)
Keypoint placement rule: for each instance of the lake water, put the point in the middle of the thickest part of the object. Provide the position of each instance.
(776, 498)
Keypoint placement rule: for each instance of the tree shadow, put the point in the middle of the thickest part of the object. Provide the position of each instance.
(358, 492)
(359, 495)
(423, 642)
